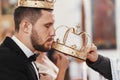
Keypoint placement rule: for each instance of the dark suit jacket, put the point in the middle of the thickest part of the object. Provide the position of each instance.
(102, 65)
(14, 64)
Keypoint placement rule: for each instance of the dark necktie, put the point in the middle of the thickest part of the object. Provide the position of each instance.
(33, 57)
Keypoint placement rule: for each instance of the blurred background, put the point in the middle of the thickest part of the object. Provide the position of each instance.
(99, 18)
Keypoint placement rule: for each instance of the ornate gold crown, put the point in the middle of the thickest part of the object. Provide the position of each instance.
(71, 42)
(47, 4)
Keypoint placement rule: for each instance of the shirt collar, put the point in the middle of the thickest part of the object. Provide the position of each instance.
(24, 48)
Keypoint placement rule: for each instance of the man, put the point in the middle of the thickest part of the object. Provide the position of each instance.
(33, 31)
(110, 69)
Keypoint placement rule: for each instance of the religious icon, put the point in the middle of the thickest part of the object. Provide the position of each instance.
(103, 18)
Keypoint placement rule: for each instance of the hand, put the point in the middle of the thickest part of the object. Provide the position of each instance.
(62, 61)
(45, 77)
(92, 54)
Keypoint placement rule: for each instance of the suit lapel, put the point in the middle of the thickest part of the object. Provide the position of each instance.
(8, 42)
(32, 70)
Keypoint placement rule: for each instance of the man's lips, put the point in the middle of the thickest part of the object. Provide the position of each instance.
(50, 40)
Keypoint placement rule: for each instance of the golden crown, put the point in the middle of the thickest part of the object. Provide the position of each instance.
(71, 42)
(47, 4)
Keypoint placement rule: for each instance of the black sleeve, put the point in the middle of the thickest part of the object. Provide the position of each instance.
(102, 65)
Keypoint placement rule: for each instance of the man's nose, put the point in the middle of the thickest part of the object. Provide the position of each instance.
(52, 31)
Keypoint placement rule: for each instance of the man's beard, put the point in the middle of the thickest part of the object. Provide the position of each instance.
(38, 47)
(41, 48)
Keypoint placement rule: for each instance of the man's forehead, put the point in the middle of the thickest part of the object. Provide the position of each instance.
(46, 15)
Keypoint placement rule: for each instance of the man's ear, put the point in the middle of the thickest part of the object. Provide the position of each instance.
(26, 26)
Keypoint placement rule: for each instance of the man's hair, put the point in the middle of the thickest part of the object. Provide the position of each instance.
(32, 14)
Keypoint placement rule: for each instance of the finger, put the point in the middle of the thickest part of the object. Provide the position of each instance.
(43, 74)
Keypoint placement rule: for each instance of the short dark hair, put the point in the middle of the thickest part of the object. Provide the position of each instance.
(33, 14)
